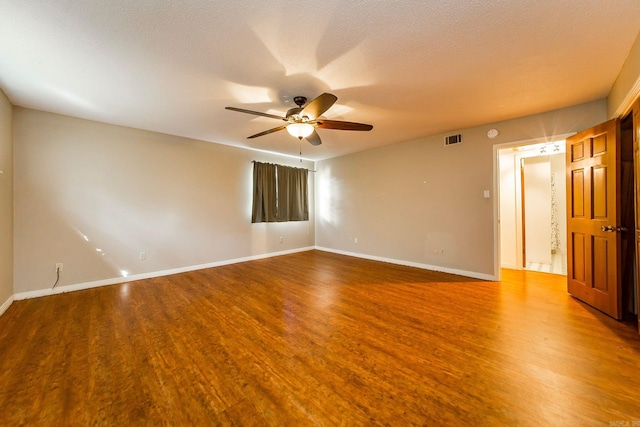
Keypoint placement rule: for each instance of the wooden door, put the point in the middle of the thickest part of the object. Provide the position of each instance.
(593, 211)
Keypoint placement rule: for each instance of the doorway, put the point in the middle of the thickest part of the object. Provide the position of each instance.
(532, 207)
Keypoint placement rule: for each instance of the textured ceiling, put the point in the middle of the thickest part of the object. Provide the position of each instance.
(410, 68)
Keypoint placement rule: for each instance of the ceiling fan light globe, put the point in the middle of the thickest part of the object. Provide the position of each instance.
(300, 130)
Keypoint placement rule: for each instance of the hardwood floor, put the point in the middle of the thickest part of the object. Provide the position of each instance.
(316, 338)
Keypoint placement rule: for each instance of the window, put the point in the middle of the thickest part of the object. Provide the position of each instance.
(279, 193)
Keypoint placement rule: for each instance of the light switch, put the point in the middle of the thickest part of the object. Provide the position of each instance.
(486, 194)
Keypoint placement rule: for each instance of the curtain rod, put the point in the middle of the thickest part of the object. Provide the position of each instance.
(308, 170)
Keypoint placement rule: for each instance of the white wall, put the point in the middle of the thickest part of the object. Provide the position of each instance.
(537, 209)
(510, 210)
(83, 186)
(404, 201)
(6, 202)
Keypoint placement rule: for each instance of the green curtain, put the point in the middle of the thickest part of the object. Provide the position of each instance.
(264, 193)
(280, 193)
(293, 200)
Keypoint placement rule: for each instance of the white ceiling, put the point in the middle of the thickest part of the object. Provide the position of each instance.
(410, 68)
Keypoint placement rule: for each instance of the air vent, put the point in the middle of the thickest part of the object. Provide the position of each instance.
(453, 139)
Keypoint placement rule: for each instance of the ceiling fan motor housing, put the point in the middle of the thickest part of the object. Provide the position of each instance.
(295, 111)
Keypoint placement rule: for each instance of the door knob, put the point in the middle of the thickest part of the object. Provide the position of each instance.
(612, 229)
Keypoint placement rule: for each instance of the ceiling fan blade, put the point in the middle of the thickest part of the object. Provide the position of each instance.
(319, 105)
(267, 132)
(340, 125)
(314, 138)
(255, 113)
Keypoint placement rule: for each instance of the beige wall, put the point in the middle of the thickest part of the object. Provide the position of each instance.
(627, 85)
(93, 196)
(404, 201)
(6, 200)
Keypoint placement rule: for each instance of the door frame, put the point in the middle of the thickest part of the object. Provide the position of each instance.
(523, 222)
(496, 190)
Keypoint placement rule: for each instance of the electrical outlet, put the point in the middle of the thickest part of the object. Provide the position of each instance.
(58, 266)
(281, 239)
(143, 256)
(435, 251)
(355, 240)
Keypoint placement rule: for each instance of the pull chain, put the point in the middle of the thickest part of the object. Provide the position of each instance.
(300, 141)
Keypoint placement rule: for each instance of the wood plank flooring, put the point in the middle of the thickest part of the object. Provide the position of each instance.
(316, 338)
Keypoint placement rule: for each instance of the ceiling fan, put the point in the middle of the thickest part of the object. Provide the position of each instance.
(303, 121)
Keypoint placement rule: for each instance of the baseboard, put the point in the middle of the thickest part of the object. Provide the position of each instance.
(116, 280)
(6, 305)
(510, 266)
(472, 274)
